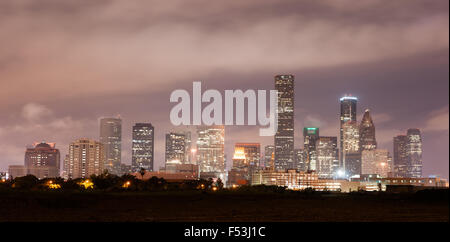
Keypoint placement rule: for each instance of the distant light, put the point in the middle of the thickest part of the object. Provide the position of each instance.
(126, 184)
(341, 173)
(348, 98)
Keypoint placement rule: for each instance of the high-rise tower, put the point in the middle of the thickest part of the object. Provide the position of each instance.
(210, 148)
(327, 157)
(111, 138)
(142, 147)
(86, 157)
(176, 148)
(42, 160)
(351, 153)
(348, 113)
(400, 162)
(284, 138)
(408, 154)
(310, 136)
(367, 132)
(414, 153)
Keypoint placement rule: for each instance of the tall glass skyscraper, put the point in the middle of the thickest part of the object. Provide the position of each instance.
(268, 156)
(367, 132)
(284, 138)
(143, 147)
(327, 156)
(348, 113)
(111, 138)
(310, 136)
(210, 148)
(351, 152)
(408, 154)
(176, 148)
(414, 153)
(300, 160)
(400, 157)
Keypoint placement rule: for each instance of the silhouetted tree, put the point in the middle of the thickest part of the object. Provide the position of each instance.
(71, 185)
(105, 181)
(219, 183)
(142, 173)
(25, 182)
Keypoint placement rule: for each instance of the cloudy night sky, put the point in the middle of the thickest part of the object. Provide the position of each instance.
(65, 64)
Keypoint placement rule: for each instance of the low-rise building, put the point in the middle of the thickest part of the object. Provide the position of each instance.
(17, 171)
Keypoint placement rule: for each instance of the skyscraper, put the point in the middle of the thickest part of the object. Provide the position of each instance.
(351, 149)
(42, 160)
(176, 148)
(240, 161)
(284, 138)
(348, 113)
(376, 161)
(252, 152)
(188, 146)
(310, 136)
(86, 157)
(367, 132)
(240, 173)
(400, 157)
(414, 153)
(300, 160)
(268, 156)
(210, 148)
(111, 138)
(327, 156)
(143, 147)
(408, 154)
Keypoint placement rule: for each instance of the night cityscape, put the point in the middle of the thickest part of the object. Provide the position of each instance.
(244, 112)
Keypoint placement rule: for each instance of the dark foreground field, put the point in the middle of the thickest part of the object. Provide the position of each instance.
(222, 206)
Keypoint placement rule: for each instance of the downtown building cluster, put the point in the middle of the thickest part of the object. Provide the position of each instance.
(352, 155)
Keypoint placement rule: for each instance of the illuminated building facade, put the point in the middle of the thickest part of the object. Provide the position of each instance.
(310, 136)
(414, 153)
(295, 180)
(188, 147)
(246, 160)
(86, 157)
(142, 147)
(367, 132)
(400, 157)
(269, 156)
(348, 113)
(327, 156)
(240, 172)
(176, 148)
(284, 138)
(351, 148)
(408, 154)
(300, 160)
(376, 161)
(43, 160)
(210, 148)
(111, 138)
(290, 178)
(252, 152)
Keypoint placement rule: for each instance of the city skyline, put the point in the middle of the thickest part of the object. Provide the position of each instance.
(317, 150)
(57, 81)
